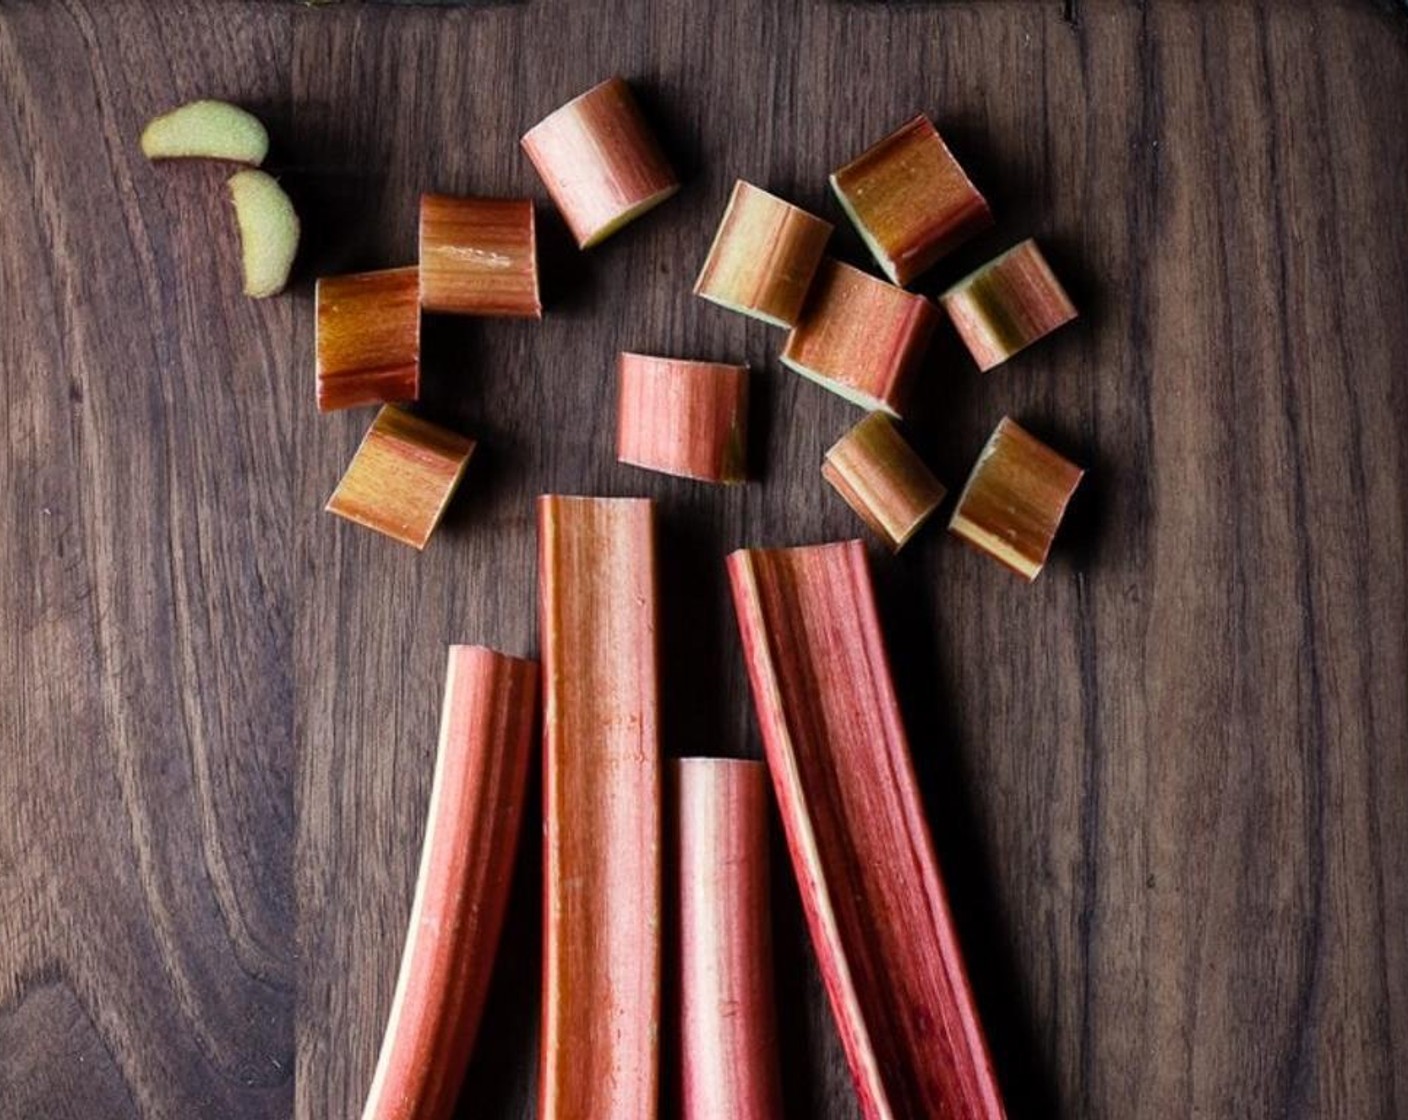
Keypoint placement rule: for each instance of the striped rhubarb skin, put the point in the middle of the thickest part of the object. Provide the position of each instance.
(728, 1025)
(368, 338)
(600, 161)
(602, 802)
(466, 866)
(845, 786)
(763, 257)
(883, 479)
(479, 256)
(1007, 305)
(860, 337)
(910, 200)
(684, 418)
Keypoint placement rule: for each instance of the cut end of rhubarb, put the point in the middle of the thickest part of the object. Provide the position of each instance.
(268, 231)
(763, 257)
(600, 162)
(206, 130)
(1007, 305)
(1015, 499)
(402, 477)
(478, 256)
(910, 200)
(860, 337)
(683, 418)
(368, 338)
(879, 475)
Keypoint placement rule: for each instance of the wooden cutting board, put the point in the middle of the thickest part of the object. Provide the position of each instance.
(1168, 782)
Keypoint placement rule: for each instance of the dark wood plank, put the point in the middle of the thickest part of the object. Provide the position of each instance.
(1168, 782)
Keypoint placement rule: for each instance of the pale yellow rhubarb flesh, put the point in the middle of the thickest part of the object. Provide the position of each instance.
(882, 478)
(910, 200)
(846, 792)
(206, 130)
(599, 1051)
(764, 256)
(269, 231)
(1007, 305)
(402, 477)
(683, 418)
(1015, 499)
(478, 256)
(368, 338)
(466, 867)
(600, 162)
(728, 1024)
(860, 337)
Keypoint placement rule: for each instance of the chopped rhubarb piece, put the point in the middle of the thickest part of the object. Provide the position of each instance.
(600, 162)
(845, 786)
(368, 338)
(206, 130)
(860, 337)
(683, 418)
(269, 231)
(402, 477)
(601, 791)
(1007, 305)
(763, 257)
(883, 480)
(728, 1031)
(466, 865)
(910, 200)
(1015, 499)
(478, 256)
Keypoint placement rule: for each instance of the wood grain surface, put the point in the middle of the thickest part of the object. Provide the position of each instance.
(1168, 782)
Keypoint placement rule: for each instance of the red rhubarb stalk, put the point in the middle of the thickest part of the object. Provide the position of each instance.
(728, 1033)
(600, 162)
(845, 786)
(601, 779)
(466, 864)
(683, 418)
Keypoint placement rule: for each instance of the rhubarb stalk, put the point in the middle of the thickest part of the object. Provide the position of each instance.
(860, 337)
(728, 1033)
(910, 200)
(883, 480)
(1014, 500)
(466, 865)
(1007, 305)
(600, 162)
(601, 788)
(875, 905)
(478, 256)
(368, 338)
(683, 418)
(763, 257)
(402, 477)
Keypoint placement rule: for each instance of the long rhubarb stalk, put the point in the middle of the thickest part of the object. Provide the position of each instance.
(845, 785)
(684, 418)
(600, 161)
(728, 1033)
(466, 865)
(601, 788)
